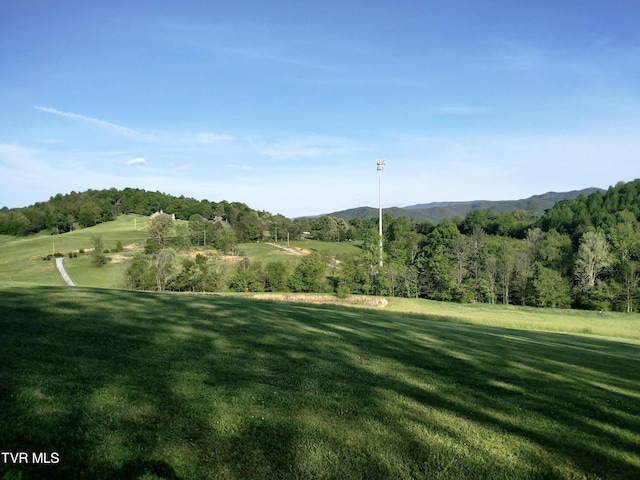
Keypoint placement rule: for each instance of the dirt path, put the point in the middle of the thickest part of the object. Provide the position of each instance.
(63, 272)
(292, 251)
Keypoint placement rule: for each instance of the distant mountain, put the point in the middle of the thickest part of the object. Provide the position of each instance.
(437, 211)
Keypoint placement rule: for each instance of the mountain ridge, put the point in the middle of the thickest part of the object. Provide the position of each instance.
(436, 211)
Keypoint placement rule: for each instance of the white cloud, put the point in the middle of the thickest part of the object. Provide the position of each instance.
(183, 168)
(209, 138)
(239, 167)
(94, 121)
(136, 161)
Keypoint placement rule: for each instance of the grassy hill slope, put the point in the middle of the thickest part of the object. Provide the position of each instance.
(139, 385)
(21, 258)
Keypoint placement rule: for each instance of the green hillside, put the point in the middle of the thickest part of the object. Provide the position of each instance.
(117, 384)
(23, 258)
(537, 204)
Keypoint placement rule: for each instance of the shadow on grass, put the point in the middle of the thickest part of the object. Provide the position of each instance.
(136, 385)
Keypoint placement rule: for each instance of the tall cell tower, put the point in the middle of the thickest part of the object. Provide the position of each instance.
(380, 167)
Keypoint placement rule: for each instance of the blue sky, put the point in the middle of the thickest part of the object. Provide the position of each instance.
(286, 105)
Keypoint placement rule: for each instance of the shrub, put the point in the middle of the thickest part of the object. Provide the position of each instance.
(99, 258)
(343, 291)
(152, 247)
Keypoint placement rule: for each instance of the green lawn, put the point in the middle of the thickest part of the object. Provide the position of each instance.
(84, 272)
(139, 385)
(265, 253)
(333, 248)
(21, 257)
(588, 322)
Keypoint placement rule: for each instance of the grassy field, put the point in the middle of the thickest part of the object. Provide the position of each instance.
(139, 385)
(264, 252)
(21, 257)
(609, 324)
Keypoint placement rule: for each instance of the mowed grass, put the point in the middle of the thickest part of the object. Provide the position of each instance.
(21, 257)
(140, 385)
(587, 322)
(264, 252)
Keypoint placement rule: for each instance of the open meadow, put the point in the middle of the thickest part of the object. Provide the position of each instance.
(21, 258)
(125, 384)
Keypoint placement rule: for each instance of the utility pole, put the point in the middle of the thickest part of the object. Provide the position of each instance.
(380, 167)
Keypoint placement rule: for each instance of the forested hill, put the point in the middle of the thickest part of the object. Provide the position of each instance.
(63, 213)
(618, 205)
(436, 211)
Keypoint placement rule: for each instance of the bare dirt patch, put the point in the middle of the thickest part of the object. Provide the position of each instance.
(291, 250)
(361, 300)
(118, 257)
(134, 247)
(233, 258)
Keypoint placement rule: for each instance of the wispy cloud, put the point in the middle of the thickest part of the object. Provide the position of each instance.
(136, 161)
(517, 56)
(261, 53)
(165, 138)
(239, 167)
(119, 129)
(208, 138)
(182, 168)
(309, 147)
(460, 110)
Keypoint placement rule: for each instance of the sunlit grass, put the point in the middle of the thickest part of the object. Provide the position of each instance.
(263, 252)
(139, 385)
(84, 272)
(21, 257)
(613, 324)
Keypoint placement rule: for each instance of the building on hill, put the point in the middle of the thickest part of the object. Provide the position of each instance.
(155, 214)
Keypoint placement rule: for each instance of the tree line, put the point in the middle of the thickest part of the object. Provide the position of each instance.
(63, 213)
(582, 253)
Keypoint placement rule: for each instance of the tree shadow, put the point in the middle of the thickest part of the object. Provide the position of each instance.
(137, 385)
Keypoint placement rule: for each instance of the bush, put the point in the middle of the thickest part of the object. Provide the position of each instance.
(152, 247)
(81, 251)
(119, 247)
(343, 291)
(99, 258)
